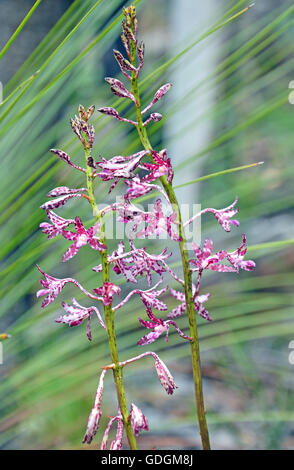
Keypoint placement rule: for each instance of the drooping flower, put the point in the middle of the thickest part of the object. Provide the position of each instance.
(138, 420)
(236, 257)
(160, 167)
(52, 286)
(95, 415)
(107, 291)
(117, 442)
(164, 375)
(198, 304)
(57, 224)
(144, 262)
(158, 326)
(81, 237)
(77, 314)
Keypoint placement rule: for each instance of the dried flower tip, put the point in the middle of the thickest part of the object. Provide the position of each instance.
(141, 51)
(90, 111)
(90, 162)
(82, 112)
(138, 420)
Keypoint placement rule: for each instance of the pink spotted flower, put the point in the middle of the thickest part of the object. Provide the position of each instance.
(76, 314)
(58, 224)
(199, 300)
(160, 167)
(107, 291)
(157, 327)
(81, 237)
(236, 258)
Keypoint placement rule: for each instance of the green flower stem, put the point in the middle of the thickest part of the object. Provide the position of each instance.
(109, 315)
(195, 352)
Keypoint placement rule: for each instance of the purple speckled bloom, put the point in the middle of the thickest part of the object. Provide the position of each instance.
(138, 420)
(157, 222)
(148, 297)
(95, 415)
(160, 167)
(120, 263)
(57, 224)
(107, 291)
(119, 167)
(198, 304)
(206, 261)
(81, 237)
(52, 286)
(223, 216)
(136, 262)
(158, 326)
(236, 257)
(76, 314)
(137, 188)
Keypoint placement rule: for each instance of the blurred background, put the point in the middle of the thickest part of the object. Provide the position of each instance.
(230, 106)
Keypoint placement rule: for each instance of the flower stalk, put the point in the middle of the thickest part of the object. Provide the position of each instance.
(194, 344)
(108, 311)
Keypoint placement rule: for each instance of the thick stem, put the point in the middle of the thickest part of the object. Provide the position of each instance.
(109, 316)
(195, 351)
